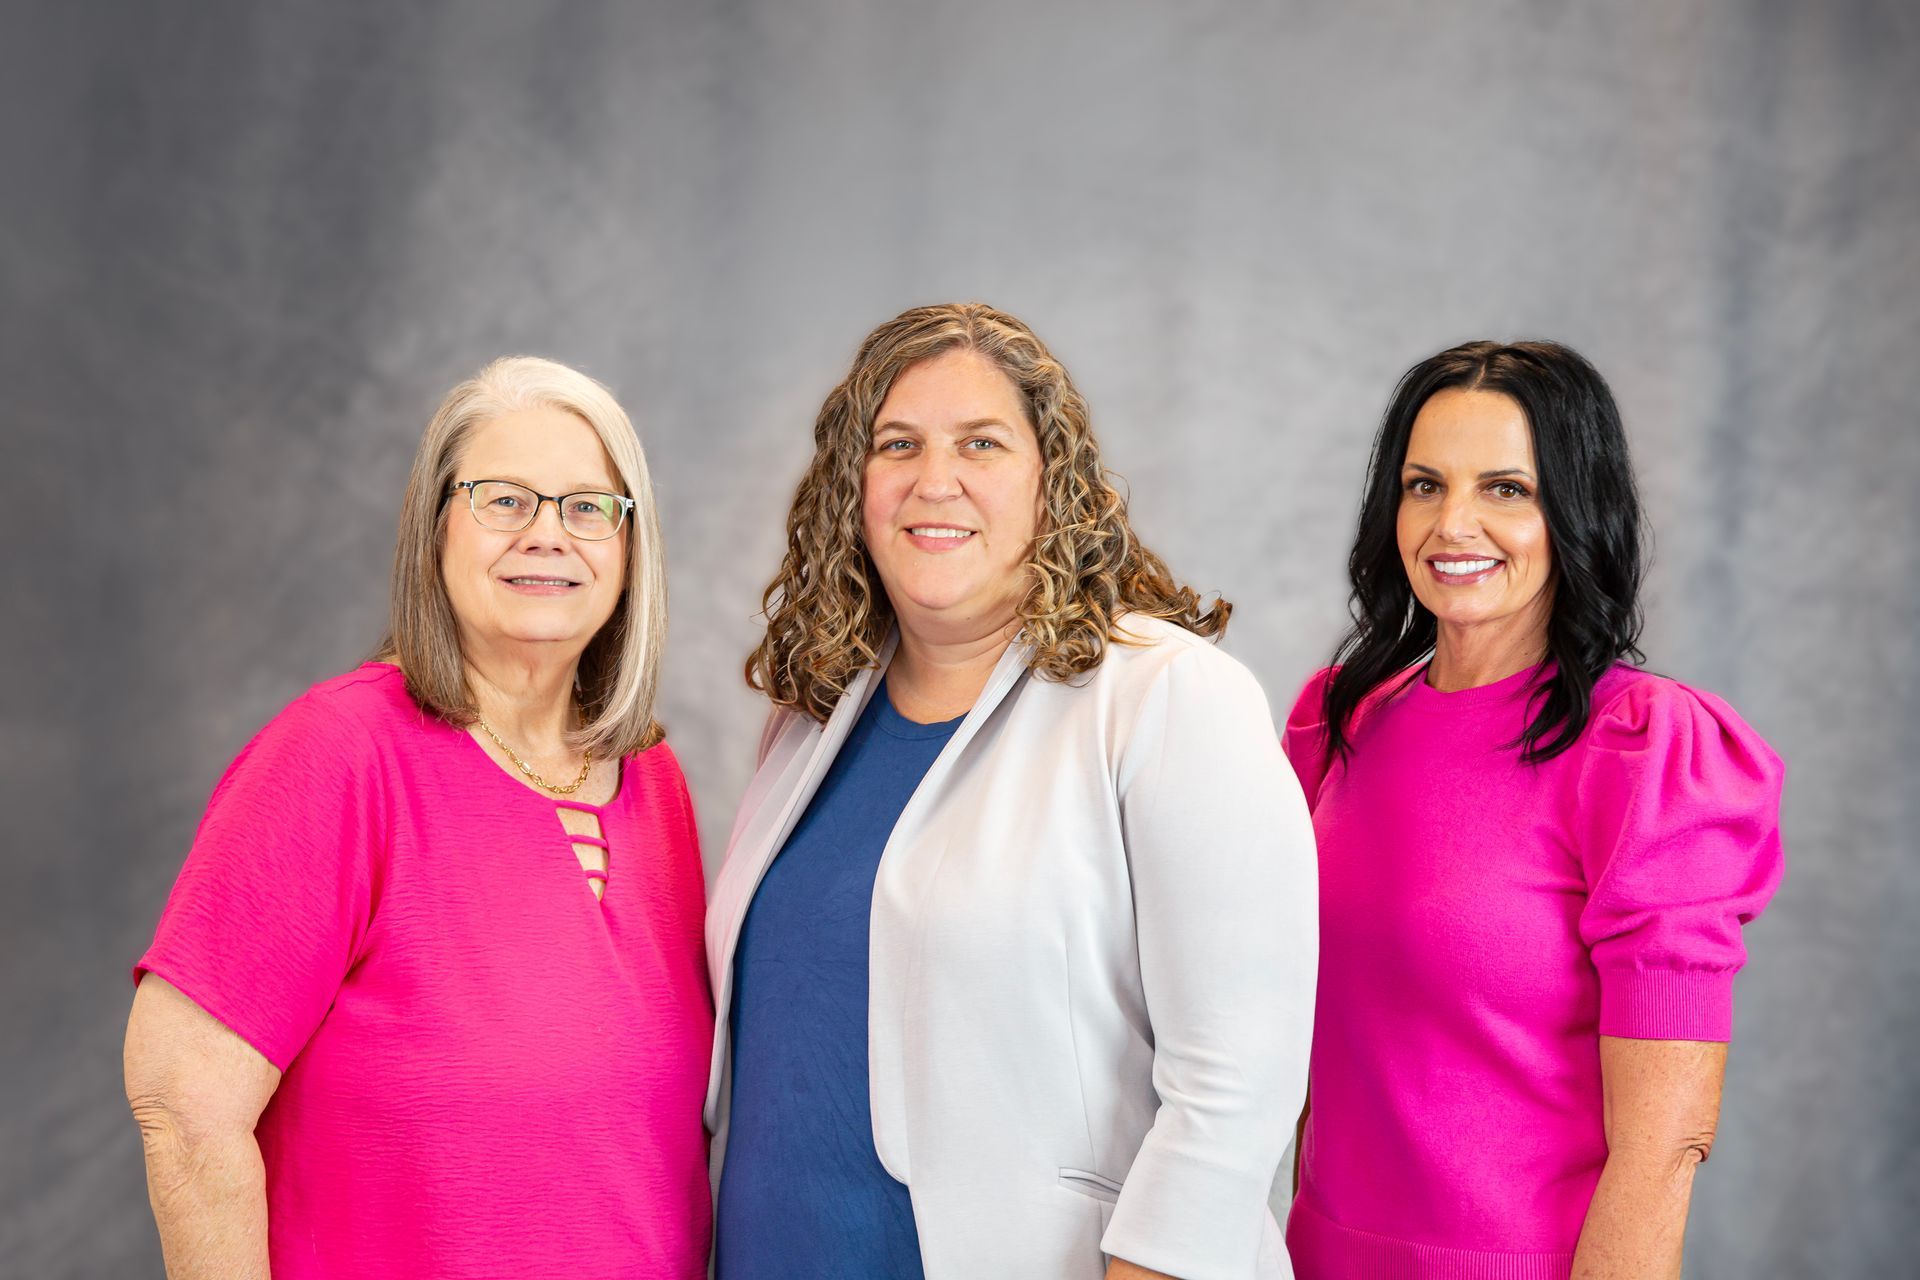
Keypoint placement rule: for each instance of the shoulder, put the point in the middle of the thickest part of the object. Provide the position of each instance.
(1631, 699)
(373, 694)
(654, 777)
(1147, 651)
(782, 722)
(1656, 718)
(328, 749)
(658, 761)
(659, 769)
(1162, 679)
(1309, 712)
(352, 711)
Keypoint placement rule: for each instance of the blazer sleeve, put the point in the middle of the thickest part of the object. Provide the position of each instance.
(1220, 850)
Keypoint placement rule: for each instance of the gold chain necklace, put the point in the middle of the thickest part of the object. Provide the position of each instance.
(586, 764)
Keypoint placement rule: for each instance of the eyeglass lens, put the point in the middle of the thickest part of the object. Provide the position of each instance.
(508, 507)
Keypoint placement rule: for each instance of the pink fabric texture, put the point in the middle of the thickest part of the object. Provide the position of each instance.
(1482, 924)
(487, 1071)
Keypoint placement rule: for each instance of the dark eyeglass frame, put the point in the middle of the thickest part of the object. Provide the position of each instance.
(533, 513)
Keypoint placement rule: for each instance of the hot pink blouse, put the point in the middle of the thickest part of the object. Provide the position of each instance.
(488, 1072)
(1482, 924)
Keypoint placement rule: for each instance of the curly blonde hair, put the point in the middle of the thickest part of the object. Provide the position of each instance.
(827, 613)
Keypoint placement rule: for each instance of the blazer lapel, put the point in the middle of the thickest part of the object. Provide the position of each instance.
(760, 837)
(899, 890)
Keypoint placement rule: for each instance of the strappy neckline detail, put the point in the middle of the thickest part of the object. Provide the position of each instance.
(557, 806)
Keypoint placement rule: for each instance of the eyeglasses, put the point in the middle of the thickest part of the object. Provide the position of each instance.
(510, 507)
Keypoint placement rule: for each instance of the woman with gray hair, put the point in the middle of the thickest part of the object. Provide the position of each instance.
(428, 997)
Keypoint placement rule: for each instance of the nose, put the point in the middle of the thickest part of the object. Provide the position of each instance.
(938, 477)
(547, 529)
(1458, 521)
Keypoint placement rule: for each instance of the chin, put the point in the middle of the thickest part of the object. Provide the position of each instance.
(935, 601)
(534, 629)
(934, 597)
(545, 635)
(1470, 617)
(953, 604)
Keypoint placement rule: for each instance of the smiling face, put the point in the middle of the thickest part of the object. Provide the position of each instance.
(540, 586)
(1473, 537)
(951, 500)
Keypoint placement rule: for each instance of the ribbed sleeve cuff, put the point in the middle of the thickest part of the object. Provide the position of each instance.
(1667, 1004)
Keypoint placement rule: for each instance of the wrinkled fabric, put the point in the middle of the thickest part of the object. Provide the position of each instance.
(487, 1071)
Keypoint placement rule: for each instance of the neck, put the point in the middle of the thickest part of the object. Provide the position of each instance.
(527, 698)
(934, 678)
(1466, 657)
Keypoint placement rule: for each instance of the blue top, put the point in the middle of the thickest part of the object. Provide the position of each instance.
(802, 1191)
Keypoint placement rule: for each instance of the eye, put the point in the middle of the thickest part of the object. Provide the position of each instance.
(1510, 489)
(505, 502)
(899, 444)
(1422, 487)
(981, 444)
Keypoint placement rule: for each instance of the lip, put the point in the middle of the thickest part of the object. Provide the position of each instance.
(553, 584)
(938, 546)
(1462, 580)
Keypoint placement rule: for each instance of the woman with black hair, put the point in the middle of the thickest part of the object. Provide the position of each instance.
(1535, 860)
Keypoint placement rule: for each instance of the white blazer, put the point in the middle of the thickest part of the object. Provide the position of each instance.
(1093, 952)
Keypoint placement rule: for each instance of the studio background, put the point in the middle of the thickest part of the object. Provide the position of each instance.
(245, 249)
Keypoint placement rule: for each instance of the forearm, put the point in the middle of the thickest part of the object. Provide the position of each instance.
(1121, 1269)
(1662, 1106)
(209, 1198)
(1638, 1219)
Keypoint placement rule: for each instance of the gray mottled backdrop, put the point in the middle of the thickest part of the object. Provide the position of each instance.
(242, 253)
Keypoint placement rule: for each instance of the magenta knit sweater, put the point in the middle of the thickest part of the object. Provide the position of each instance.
(1482, 924)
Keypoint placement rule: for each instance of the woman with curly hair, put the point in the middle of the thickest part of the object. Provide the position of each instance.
(1535, 860)
(1014, 944)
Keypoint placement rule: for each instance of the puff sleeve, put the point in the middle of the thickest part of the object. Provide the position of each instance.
(1678, 833)
(1304, 738)
(273, 905)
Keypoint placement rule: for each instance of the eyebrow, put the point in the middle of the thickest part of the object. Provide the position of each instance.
(1484, 475)
(974, 424)
(593, 486)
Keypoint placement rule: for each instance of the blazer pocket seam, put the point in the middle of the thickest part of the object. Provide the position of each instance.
(1095, 1186)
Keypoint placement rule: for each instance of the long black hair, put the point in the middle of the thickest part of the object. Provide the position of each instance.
(1594, 527)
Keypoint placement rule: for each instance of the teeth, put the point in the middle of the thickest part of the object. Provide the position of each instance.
(942, 533)
(1462, 568)
(542, 582)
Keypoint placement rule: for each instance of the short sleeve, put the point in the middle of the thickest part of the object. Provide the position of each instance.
(275, 899)
(670, 826)
(664, 766)
(1679, 833)
(1305, 737)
